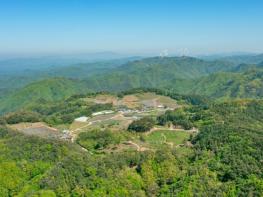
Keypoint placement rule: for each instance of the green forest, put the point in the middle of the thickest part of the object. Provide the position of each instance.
(217, 79)
(174, 126)
(131, 98)
(225, 160)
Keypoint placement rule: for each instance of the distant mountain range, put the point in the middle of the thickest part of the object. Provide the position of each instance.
(156, 72)
(25, 64)
(220, 79)
(13, 78)
(245, 59)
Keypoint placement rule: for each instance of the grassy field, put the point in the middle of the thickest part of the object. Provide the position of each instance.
(161, 137)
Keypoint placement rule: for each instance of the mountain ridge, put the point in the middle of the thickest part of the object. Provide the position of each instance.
(185, 75)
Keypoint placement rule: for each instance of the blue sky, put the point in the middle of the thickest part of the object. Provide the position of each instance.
(131, 26)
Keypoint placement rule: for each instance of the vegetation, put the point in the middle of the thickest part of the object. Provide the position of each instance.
(142, 125)
(96, 139)
(46, 90)
(55, 113)
(224, 157)
(246, 84)
(184, 75)
(177, 118)
(241, 59)
(166, 137)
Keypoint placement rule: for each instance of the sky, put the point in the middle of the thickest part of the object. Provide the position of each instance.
(131, 26)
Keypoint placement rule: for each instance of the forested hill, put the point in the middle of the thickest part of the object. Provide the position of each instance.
(48, 90)
(185, 75)
(180, 67)
(224, 159)
(226, 85)
(21, 73)
(244, 67)
(156, 72)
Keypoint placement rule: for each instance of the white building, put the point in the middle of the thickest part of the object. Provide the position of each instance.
(82, 119)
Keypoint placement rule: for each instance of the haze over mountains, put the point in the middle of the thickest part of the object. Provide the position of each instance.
(131, 98)
(226, 77)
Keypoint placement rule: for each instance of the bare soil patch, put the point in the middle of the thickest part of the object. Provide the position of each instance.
(39, 129)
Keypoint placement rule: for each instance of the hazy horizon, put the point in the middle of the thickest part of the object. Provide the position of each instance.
(130, 27)
(116, 55)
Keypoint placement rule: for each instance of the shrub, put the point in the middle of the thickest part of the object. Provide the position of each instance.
(97, 139)
(22, 116)
(142, 125)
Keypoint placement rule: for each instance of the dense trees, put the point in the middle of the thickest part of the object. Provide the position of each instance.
(55, 113)
(22, 116)
(226, 159)
(142, 125)
(184, 75)
(177, 118)
(98, 139)
(236, 140)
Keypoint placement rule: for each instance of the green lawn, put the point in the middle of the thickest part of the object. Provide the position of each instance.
(161, 136)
